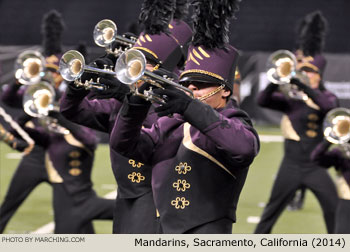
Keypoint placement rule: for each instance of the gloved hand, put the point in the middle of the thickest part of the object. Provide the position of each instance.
(177, 101)
(115, 89)
(98, 63)
(135, 99)
(21, 145)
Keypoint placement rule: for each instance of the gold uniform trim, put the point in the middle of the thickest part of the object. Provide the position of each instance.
(197, 54)
(133, 163)
(205, 54)
(74, 142)
(311, 104)
(136, 177)
(187, 142)
(148, 38)
(202, 72)
(147, 50)
(52, 66)
(53, 175)
(342, 187)
(183, 168)
(288, 132)
(170, 26)
(193, 59)
(181, 185)
(180, 203)
(142, 39)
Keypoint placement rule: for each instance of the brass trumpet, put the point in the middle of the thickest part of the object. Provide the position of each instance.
(29, 67)
(281, 68)
(336, 126)
(105, 33)
(38, 100)
(131, 67)
(72, 66)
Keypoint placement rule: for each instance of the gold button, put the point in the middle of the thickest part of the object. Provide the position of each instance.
(312, 125)
(312, 117)
(75, 171)
(311, 133)
(75, 163)
(74, 154)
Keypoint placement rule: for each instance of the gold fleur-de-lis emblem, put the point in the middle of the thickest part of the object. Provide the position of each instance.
(134, 164)
(181, 185)
(180, 203)
(136, 177)
(183, 168)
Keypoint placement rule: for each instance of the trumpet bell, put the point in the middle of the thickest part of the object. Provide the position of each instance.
(337, 126)
(38, 99)
(130, 66)
(29, 67)
(105, 32)
(281, 66)
(71, 65)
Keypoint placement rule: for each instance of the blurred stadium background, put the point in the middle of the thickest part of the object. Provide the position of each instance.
(261, 28)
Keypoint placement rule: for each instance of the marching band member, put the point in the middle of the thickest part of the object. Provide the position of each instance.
(69, 161)
(302, 130)
(135, 211)
(339, 158)
(200, 155)
(31, 170)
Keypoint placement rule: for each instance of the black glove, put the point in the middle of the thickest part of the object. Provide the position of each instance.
(20, 145)
(307, 89)
(135, 99)
(115, 89)
(177, 102)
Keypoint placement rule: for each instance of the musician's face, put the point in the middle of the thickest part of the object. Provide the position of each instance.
(217, 100)
(314, 79)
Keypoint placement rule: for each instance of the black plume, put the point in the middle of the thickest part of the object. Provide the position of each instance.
(211, 21)
(311, 33)
(181, 9)
(51, 29)
(81, 47)
(156, 15)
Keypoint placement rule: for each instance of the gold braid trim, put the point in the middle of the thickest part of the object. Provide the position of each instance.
(202, 98)
(202, 72)
(147, 50)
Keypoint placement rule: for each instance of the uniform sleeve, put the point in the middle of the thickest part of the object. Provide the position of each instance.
(324, 99)
(232, 135)
(128, 138)
(39, 135)
(94, 114)
(326, 158)
(271, 98)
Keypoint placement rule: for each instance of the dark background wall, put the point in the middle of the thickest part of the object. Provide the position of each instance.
(262, 25)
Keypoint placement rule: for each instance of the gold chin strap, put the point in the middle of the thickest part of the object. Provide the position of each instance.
(204, 97)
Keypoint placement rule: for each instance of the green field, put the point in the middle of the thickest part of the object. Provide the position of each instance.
(37, 211)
